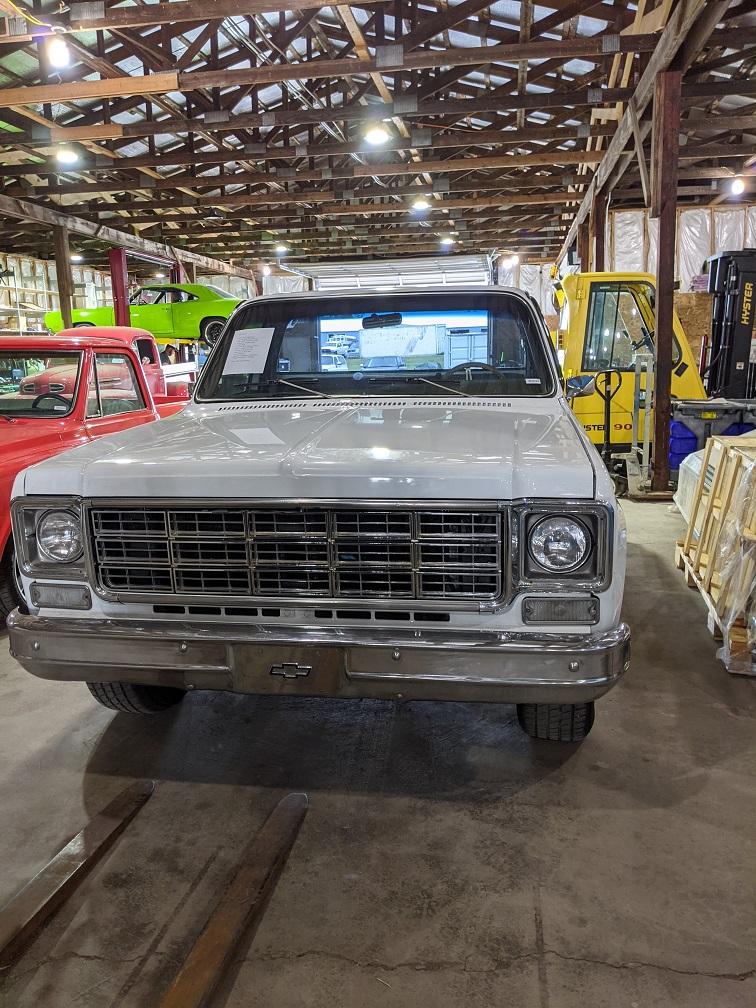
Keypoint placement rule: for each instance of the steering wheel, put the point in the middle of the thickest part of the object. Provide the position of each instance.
(646, 340)
(50, 395)
(490, 368)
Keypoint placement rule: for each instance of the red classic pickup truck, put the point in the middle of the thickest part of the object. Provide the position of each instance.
(57, 392)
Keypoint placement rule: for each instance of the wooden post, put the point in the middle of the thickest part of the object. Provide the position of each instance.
(120, 278)
(598, 231)
(190, 269)
(584, 246)
(664, 156)
(64, 274)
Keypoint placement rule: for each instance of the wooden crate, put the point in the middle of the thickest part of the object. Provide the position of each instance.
(718, 555)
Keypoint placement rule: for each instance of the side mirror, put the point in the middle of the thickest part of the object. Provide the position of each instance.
(579, 385)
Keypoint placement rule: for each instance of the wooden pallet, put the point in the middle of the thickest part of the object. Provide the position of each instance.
(718, 553)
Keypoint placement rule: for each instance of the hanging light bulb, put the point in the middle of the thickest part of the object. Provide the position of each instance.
(376, 135)
(421, 203)
(58, 53)
(737, 187)
(66, 156)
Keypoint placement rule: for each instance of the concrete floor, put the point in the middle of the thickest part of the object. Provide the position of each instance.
(445, 860)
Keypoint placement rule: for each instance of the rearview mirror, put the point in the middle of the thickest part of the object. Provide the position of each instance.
(380, 321)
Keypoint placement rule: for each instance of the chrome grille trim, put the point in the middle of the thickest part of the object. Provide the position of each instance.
(425, 551)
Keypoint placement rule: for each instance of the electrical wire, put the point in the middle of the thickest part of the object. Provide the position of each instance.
(28, 16)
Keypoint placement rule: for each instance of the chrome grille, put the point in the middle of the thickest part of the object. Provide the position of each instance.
(308, 551)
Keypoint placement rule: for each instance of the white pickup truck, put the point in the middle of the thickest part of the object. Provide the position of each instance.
(427, 532)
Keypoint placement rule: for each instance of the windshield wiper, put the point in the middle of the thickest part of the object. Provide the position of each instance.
(436, 384)
(301, 388)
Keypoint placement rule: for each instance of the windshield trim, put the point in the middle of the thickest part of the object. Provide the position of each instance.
(540, 333)
(74, 398)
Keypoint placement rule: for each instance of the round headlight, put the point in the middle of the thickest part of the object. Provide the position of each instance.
(559, 544)
(59, 537)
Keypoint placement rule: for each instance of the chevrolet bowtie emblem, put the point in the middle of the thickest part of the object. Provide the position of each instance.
(290, 670)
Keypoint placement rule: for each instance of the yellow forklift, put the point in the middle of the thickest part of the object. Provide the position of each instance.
(605, 343)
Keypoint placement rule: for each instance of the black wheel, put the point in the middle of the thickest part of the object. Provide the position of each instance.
(10, 584)
(134, 698)
(556, 722)
(83, 325)
(211, 328)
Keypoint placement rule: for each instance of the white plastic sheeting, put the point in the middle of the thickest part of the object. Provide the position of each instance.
(652, 232)
(538, 282)
(751, 228)
(238, 286)
(693, 245)
(701, 232)
(729, 229)
(628, 242)
(290, 283)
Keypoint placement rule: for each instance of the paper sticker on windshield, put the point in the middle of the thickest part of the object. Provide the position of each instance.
(248, 352)
(532, 381)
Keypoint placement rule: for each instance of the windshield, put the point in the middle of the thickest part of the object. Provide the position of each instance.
(35, 385)
(474, 343)
(219, 292)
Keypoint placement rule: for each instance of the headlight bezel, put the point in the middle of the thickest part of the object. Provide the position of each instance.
(593, 574)
(26, 514)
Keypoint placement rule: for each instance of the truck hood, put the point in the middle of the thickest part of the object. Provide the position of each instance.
(480, 449)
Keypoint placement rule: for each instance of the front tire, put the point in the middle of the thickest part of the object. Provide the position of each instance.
(556, 722)
(135, 698)
(10, 591)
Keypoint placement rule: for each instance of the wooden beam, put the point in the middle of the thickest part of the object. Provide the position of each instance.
(640, 153)
(64, 273)
(598, 232)
(82, 18)
(277, 73)
(449, 108)
(584, 247)
(39, 94)
(25, 210)
(664, 200)
(347, 171)
(420, 140)
(679, 26)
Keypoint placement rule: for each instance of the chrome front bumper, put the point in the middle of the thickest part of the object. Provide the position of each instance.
(324, 661)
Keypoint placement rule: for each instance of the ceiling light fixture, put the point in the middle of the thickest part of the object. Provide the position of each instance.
(266, 270)
(160, 276)
(58, 53)
(737, 187)
(447, 240)
(66, 155)
(282, 249)
(421, 203)
(75, 257)
(376, 135)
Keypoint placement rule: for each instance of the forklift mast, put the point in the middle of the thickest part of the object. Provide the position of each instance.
(730, 366)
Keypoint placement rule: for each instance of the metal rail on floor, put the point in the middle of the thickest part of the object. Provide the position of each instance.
(25, 914)
(239, 909)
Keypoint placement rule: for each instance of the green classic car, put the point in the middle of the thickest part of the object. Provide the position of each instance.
(169, 311)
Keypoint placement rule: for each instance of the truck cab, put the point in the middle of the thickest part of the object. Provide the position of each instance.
(606, 322)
